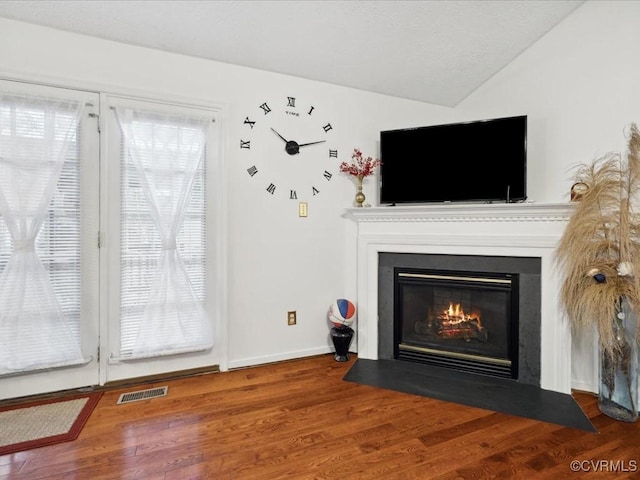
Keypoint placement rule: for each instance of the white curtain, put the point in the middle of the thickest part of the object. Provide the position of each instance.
(34, 137)
(167, 151)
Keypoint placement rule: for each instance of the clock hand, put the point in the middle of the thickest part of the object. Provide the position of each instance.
(281, 137)
(310, 143)
(291, 146)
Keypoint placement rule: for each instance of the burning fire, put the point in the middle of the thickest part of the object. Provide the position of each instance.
(453, 323)
(454, 315)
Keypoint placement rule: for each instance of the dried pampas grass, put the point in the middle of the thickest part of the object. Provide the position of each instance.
(599, 252)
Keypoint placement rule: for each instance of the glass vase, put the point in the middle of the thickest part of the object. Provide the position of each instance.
(618, 394)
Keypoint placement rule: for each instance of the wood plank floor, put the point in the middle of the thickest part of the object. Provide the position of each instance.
(300, 420)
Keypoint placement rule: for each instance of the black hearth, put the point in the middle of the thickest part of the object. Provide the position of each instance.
(467, 321)
(517, 393)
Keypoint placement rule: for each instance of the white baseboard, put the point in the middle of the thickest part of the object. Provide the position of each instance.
(583, 386)
(254, 361)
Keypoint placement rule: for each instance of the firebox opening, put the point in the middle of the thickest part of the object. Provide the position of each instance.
(456, 319)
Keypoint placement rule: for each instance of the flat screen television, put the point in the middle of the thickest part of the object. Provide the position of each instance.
(478, 161)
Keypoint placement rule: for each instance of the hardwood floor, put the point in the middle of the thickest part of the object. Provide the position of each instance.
(300, 420)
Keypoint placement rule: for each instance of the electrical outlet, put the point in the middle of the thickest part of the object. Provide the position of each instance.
(291, 318)
(302, 209)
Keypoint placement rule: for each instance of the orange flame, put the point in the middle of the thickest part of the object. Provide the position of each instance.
(455, 315)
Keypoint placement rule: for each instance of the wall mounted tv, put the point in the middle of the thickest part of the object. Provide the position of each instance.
(479, 161)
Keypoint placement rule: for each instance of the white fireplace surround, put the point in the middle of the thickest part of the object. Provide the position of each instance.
(515, 229)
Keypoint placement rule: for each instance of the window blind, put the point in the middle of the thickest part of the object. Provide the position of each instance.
(41, 329)
(141, 243)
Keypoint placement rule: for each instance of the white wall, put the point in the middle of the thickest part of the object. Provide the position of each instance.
(580, 87)
(276, 260)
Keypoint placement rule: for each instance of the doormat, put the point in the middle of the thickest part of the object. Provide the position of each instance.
(44, 422)
(495, 394)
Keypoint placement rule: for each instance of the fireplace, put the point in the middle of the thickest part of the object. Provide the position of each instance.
(516, 241)
(493, 238)
(466, 321)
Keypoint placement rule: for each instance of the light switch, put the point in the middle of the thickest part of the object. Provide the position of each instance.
(302, 209)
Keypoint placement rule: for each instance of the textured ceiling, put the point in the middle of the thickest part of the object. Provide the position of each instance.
(432, 51)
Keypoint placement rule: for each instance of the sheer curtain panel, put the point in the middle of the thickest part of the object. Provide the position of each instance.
(35, 139)
(167, 151)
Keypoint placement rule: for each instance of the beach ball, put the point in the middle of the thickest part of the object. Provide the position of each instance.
(342, 313)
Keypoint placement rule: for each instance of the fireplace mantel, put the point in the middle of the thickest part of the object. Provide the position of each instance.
(516, 229)
(450, 212)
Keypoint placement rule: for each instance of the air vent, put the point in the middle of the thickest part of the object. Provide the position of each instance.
(142, 395)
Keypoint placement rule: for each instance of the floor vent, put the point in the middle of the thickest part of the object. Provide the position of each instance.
(142, 395)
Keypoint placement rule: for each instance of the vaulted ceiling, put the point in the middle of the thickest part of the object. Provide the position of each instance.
(435, 51)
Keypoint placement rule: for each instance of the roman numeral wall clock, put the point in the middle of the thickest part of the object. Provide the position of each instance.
(288, 149)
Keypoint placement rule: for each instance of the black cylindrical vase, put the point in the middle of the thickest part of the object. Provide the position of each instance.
(342, 337)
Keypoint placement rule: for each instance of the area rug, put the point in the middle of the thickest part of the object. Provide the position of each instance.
(44, 422)
(496, 394)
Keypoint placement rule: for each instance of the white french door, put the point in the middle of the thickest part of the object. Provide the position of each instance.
(160, 213)
(49, 197)
(111, 256)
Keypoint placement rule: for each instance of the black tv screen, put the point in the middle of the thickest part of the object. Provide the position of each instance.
(479, 161)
